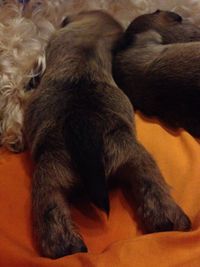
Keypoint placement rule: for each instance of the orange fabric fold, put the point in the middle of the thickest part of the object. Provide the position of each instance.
(116, 241)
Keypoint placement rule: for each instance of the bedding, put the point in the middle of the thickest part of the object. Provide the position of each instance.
(116, 241)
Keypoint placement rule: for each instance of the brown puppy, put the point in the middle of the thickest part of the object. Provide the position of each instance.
(162, 80)
(80, 130)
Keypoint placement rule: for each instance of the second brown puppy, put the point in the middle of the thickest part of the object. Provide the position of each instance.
(80, 130)
(157, 66)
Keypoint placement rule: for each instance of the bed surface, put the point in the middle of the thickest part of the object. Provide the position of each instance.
(117, 241)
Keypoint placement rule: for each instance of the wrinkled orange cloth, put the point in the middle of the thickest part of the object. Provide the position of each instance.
(116, 242)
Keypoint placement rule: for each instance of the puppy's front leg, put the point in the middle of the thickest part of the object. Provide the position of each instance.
(156, 208)
(53, 226)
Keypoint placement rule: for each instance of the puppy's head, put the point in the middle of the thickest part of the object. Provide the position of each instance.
(153, 21)
(171, 26)
(94, 25)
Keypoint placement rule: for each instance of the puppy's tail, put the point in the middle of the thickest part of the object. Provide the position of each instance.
(84, 141)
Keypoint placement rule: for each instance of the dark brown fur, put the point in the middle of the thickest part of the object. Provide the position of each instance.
(171, 26)
(162, 79)
(80, 130)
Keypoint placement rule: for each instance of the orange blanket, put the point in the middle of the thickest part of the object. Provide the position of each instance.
(116, 242)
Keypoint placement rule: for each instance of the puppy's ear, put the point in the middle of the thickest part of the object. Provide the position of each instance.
(138, 25)
(173, 16)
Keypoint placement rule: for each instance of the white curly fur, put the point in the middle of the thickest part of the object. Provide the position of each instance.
(24, 33)
(21, 48)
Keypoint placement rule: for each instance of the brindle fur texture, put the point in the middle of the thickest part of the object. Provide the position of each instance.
(80, 129)
(158, 67)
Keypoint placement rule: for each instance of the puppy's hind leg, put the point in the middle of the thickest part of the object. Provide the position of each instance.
(54, 229)
(155, 206)
(144, 184)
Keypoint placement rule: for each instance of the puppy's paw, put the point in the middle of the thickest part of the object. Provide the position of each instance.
(165, 218)
(180, 220)
(58, 245)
